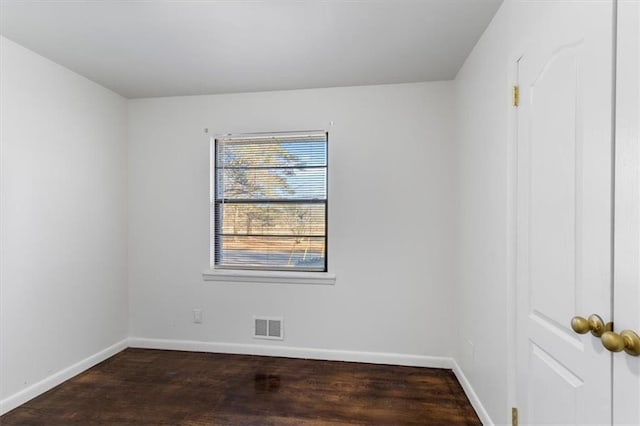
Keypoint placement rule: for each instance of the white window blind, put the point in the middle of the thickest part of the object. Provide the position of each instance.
(269, 206)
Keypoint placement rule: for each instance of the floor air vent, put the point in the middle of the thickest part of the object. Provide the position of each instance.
(267, 328)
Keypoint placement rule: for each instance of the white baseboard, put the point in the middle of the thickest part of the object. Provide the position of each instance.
(55, 379)
(294, 352)
(471, 394)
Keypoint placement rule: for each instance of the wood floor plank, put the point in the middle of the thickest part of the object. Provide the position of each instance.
(153, 387)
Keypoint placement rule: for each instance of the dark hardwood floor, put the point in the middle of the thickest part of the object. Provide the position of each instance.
(152, 387)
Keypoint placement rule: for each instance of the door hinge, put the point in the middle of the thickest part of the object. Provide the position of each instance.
(516, 96)
(514, 416)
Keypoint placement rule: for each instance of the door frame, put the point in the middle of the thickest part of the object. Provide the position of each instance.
(626, 264)
(512, 230)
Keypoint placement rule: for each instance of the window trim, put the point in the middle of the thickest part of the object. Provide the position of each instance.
(269, 277)
(256, 274)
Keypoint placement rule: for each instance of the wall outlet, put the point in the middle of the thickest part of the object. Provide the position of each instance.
(468, 354)
(472, 350)
(197, 316)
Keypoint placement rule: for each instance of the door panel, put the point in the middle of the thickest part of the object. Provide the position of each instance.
(547, 371)
(564, 220)
(553, 177)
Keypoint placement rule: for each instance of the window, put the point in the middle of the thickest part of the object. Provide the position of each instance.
(269, 202)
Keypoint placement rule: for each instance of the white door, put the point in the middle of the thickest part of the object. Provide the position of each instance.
(626, 369)
(564, 215)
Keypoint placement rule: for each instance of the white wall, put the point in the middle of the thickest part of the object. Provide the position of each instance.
(391, 220)
(63, 287)
(482, 108)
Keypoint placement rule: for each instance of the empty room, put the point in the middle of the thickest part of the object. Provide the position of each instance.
(320, 212)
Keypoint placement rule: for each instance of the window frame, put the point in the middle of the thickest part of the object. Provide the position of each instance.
(255, 273)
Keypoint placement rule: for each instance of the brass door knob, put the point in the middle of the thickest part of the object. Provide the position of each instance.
(594, 324)
(627, 340)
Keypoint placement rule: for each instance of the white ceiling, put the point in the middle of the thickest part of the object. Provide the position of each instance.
(164, 48)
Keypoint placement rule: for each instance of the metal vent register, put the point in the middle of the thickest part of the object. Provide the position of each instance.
(267, 328)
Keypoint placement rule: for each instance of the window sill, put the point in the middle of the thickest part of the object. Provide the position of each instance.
(274, 277)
